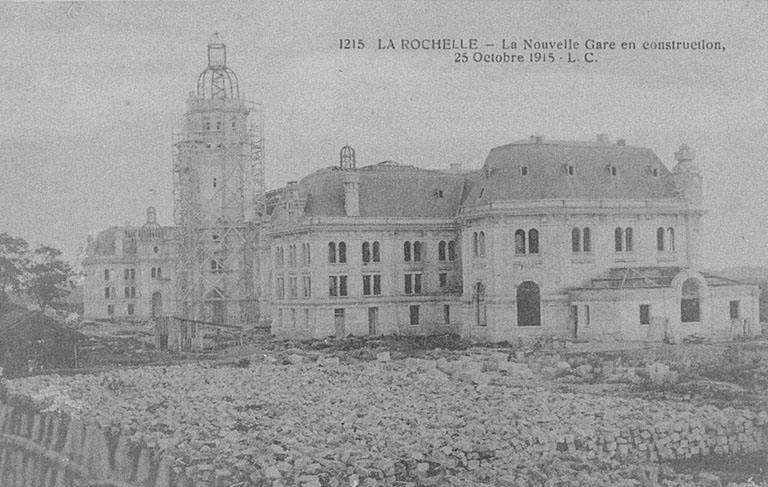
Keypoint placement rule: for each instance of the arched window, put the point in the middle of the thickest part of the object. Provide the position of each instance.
(528, 304)
(520, 242)
(671, 239)
(587, 234)
(478, 302)
(452, 250)
(159, 272)
(660, 239)
(628, 239)
(474, 248)
(533, 241)
(441, 251)
(376, 255)
(417, 251)
(153, 273)
(575, 240)
(366, 252)
(407, 251)
(481, 243)
(690, 302)
(618, 239)
(332, 252)
(342, 252)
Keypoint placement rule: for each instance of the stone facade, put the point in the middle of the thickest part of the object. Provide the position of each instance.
(129, 272)
(589, 240)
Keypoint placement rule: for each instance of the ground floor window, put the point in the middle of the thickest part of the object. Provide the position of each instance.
(734, 310)
(131, 309)
(414, 311)
(447, 314)
(111, 309)
(479, 304)
(645, 314)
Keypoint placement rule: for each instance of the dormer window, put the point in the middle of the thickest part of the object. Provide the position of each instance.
(611, 169)
(570, 170)
(655, 172)
(439, 193)
(523, 170)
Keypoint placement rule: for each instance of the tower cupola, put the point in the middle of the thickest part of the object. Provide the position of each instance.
(217, 81)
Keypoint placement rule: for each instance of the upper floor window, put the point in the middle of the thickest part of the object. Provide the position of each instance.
(581, 240)
(622, 239)
(292, 256)
(441, 251)
(412, 251)
(216, 267)
(337, 286)
(452, 250)
(106, 274)
(371, 284)
(305, 255)
(371, 252)
(533, 241)
(337, 253)
(412, 284)
(279, 256)
(481, 244)
(523, 170)
(474, 245)
(280, 288)
(665, 239)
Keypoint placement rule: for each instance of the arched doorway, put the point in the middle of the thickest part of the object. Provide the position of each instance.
(478, 302)
(690, 301)
(157, 304)
(528, 304)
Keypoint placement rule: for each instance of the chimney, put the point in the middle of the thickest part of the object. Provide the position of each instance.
(602, 138)
(685, 154)
(621, 142)
(454, 167)
(352, 194)
(537, 139)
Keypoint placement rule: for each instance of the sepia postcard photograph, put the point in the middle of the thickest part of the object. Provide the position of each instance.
(384, 244)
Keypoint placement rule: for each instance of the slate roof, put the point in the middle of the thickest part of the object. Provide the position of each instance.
(501, 179)
(388, 190)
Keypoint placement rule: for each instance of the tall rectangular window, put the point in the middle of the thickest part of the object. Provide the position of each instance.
(280, 288)
(377, 284)
(367, 285)
(306, 287)
(292, 286)
(127, 274)
(106, 274)
(443, 276)
(111, 309)
(414, 313)
(645, 314)
(734, 310)
(447, 314)
(131, 309)
(127, 292)
(337, 285)
(106, 292)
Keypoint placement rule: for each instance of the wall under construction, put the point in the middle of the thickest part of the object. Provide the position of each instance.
(218, 181)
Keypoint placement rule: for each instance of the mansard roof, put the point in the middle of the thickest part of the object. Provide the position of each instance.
(501, 177)
(387, 190)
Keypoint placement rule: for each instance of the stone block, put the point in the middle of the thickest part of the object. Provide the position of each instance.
(294, 359)
(383, 357)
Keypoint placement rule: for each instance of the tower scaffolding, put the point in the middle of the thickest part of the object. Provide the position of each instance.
(219, 193)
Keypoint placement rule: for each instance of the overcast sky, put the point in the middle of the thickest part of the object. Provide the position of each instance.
(92, 93)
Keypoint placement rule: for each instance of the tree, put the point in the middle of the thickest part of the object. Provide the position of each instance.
(48, 276)
(13, 264)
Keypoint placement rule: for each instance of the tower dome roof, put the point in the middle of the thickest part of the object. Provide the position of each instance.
(217, 81)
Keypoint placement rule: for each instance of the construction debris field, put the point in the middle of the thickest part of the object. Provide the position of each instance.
(434, 411)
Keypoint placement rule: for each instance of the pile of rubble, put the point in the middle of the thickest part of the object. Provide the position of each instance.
(483, 419)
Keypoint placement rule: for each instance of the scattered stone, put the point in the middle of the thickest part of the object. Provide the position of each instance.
(383, 357)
